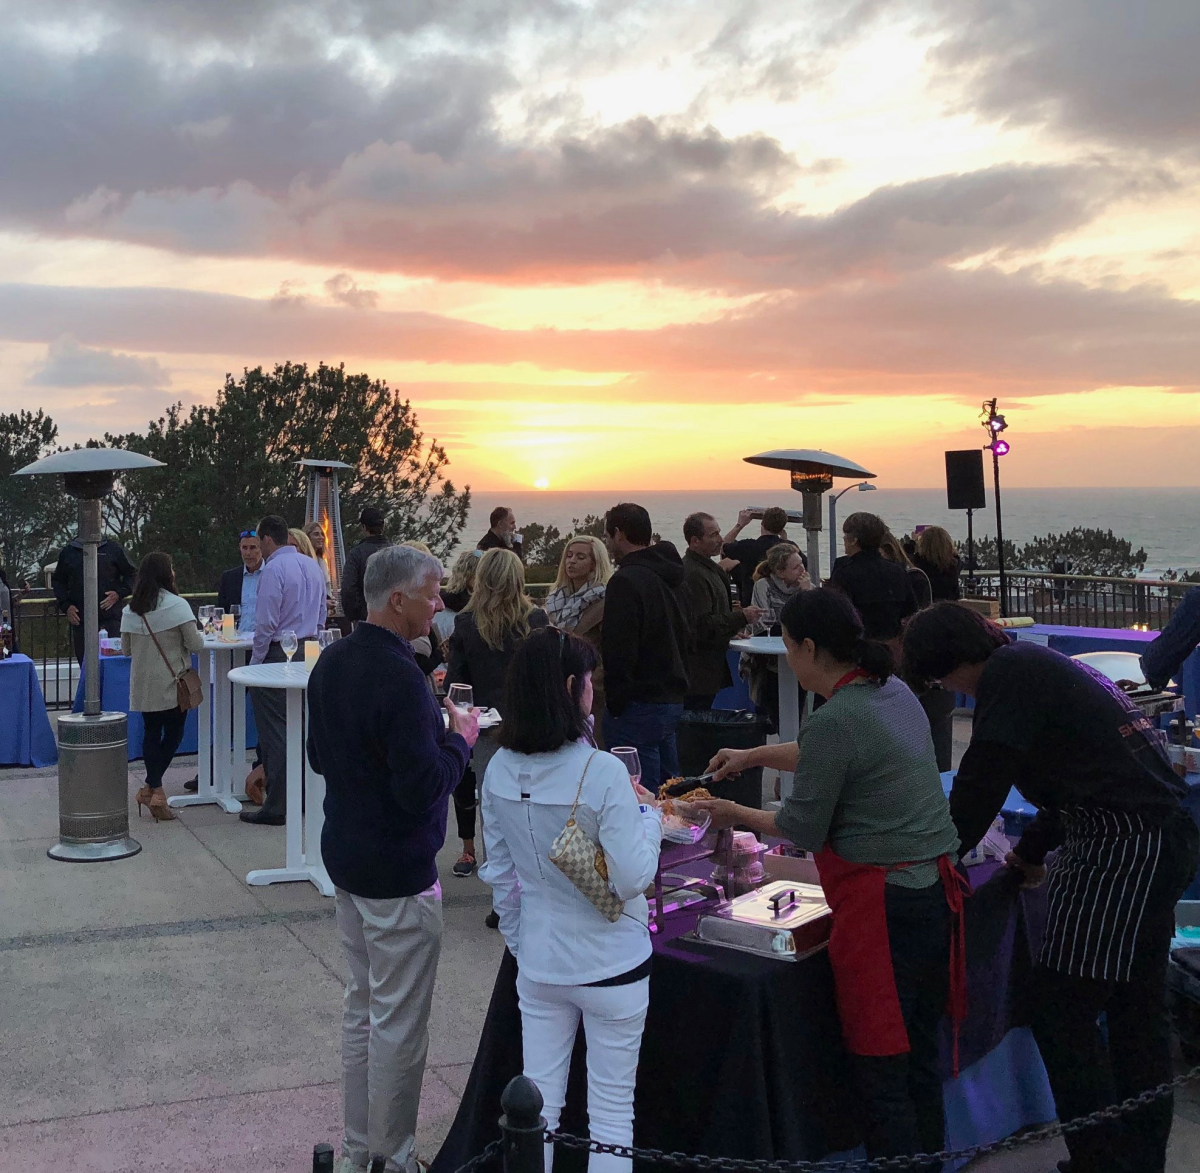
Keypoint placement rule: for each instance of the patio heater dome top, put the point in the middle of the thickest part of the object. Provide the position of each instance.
(810, 460)
(89, 460)
(330, 464)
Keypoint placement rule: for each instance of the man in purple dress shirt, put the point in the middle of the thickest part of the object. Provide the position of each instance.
(291, 597)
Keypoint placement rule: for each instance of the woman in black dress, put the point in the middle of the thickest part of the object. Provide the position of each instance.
(1075, 746)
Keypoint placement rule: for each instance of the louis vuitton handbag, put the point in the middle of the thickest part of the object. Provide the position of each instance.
(582, 861)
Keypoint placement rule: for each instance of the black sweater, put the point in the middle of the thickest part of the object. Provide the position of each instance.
(646, 639)
(354, 605)
(880, 590)
(376, 733)
(114, 572)
(478, 664)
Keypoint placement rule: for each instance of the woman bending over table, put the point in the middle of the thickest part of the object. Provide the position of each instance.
(868, 802)
(572, 961)
(1076, 747)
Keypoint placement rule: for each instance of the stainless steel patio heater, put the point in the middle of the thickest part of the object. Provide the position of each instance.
(812, 471)
(93, 767)
(324, 506)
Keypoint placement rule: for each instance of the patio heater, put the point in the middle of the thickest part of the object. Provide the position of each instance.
(324, 506)
(812, 471)
(93, 767)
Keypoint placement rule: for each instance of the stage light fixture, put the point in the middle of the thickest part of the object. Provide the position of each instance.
(999, 447)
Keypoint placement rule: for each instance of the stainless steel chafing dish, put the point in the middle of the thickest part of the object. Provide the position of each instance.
(1124, 669)
(783, 919)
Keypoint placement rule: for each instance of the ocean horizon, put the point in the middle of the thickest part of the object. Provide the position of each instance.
(1159, 520)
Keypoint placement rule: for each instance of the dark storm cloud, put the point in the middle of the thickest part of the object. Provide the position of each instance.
(1112, 71)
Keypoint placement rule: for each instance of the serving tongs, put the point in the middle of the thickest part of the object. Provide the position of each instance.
(684, 786)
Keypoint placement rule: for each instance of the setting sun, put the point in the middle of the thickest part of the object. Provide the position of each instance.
(541, 483)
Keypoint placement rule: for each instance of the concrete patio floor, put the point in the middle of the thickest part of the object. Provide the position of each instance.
(161, 1015)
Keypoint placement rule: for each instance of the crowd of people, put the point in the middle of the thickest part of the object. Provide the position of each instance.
(631, 635)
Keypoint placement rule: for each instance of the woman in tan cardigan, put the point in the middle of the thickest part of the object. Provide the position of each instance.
(157, 615)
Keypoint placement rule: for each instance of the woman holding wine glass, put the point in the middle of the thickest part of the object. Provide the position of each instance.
(575, 962)
(486, 635)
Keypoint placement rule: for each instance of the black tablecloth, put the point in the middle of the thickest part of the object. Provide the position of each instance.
(742, 1056)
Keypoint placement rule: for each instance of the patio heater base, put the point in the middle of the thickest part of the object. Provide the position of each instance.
(93, 789)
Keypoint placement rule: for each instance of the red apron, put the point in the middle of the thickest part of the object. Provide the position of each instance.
(860, 952)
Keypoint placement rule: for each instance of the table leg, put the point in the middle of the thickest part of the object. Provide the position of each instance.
(295, 867)
(789, 716)
(238, 777)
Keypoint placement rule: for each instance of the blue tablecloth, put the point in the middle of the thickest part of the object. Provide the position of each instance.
(114, 698)
(26, 738)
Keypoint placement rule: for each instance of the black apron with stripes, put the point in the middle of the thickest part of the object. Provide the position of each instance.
(1098, 888)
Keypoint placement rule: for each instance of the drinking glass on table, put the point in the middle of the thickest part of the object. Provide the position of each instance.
(334, 634)
(628, 757)
(236, 611)
(204, 613)
(462, 697)
(289, 643)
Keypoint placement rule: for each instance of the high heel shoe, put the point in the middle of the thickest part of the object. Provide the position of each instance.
(158, 806)
(142, 798)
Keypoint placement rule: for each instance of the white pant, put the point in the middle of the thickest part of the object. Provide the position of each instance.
(392, 949)
(613, 1017)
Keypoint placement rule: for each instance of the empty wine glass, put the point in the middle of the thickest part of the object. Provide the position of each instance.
(462, 697)
(289, 643)
(628, 757)
(334, 633)
(204, 613)
(322, 639)
(236, 612)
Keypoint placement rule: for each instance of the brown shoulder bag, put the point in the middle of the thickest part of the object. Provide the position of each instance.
(188, 690)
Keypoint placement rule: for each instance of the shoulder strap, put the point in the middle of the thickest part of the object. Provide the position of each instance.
(150, 632)
(575, 804)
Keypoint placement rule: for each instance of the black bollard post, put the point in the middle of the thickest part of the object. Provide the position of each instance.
(322, 1158)
(523, 1127)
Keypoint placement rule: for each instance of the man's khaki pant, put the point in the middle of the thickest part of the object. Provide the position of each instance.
(392, 949)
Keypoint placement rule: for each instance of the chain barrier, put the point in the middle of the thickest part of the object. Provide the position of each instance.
(880, 1165)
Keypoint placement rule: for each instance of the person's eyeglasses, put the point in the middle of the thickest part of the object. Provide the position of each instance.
(248, 533)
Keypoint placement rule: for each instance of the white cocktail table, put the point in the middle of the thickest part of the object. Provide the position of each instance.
(221, 749)
(305, 787)
(789, 691)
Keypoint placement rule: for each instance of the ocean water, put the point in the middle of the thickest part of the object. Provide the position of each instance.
(1163, 521)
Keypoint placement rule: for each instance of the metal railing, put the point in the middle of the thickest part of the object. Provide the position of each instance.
(43, 634)
(1076, 600)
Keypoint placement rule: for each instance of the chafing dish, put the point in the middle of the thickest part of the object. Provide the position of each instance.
(783, 919)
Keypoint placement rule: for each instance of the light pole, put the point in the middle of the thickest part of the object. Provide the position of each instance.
(994, 424)
(93, 766)
(862, 487)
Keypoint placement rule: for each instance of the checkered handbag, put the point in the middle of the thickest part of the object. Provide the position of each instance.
(582, 862)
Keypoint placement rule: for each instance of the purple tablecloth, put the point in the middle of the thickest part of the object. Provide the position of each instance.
(26, 738)
(742, 1055)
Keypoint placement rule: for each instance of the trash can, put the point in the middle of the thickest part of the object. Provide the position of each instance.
(702, 732)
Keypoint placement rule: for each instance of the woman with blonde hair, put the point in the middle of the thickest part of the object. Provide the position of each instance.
(576, 603)
(299, 539)
(780, 577)
(938, 558)
(486, 635)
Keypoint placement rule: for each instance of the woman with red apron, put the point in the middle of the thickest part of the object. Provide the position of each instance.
(868, 800)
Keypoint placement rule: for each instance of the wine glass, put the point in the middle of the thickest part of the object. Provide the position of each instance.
(204, 613)
(218, 613)
(334, 634)
(628, 757)
(462, 697)
(236, 611)
(289, 643)
(768, 620)
(322, 639)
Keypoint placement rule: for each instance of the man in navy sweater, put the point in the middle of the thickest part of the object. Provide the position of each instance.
(376, 733)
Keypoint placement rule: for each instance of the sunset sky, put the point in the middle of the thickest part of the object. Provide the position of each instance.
(621, 244)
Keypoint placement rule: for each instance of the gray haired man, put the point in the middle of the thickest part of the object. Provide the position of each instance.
(390, 764)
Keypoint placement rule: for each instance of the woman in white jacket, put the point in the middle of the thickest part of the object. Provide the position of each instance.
(573, 962)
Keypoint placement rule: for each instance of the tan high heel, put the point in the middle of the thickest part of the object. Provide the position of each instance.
(158, 806)
(142, 798)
